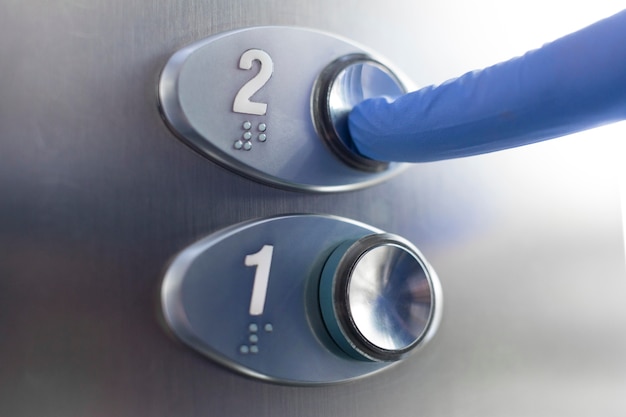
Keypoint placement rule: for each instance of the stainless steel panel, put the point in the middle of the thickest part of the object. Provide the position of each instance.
(98, 196)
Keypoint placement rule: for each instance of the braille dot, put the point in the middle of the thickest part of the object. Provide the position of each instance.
(262, 127)
(268, 327)
(253, 338)
(243, 349)
(253, 327)
(238, 144)
(247, 135)
(254, 349)
(247, 146)
(246, 125)
(262, 137)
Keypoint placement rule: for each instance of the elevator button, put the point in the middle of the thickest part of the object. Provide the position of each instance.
(343, 84)
(378, 297)
(249, 297)
(244, 99)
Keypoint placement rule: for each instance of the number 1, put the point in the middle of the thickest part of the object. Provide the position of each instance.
(262, 260)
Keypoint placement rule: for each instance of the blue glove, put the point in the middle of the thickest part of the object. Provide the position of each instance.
(574, 83)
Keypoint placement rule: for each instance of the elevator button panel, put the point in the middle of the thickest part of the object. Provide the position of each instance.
(302, 299)
(250, 100)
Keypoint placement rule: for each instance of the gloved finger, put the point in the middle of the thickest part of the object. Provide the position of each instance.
(572, 84)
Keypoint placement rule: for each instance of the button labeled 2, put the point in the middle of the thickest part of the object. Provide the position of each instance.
(244, 99)
(252, 298)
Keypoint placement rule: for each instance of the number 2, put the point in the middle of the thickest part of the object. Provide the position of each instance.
(242, 103)
(262, 260)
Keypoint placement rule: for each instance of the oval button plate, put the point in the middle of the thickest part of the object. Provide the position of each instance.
(243, 99)
(247, 297)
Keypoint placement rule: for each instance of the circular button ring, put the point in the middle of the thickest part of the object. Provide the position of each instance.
(343, 84)
(379, 298)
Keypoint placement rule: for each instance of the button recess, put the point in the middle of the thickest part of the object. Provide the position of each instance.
(379, 298)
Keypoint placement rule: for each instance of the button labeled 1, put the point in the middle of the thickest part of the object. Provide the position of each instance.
(244, 99)
(344, 301)
(378, 297)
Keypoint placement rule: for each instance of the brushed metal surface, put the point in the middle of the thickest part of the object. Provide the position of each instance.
(97, 196)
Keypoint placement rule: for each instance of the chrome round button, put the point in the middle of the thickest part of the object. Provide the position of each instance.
(343, 84)
(379, 298)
